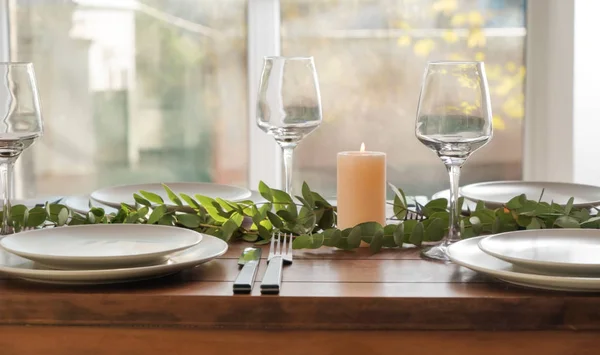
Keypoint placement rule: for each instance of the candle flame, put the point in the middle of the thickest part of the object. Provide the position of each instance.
(362, 147)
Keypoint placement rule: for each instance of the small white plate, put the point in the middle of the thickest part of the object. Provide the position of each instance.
(100, 245)
(81, 204)
(114, 196)
(209, 248)
(468, 254)
(572, 251)
(498, 193)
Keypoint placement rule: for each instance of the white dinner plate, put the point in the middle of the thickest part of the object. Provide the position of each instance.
(497, 193)
(567, 251)
(209, 248)
(83, 203)
(468, 254)
(100, 245)
(467, 204)
(114, 196)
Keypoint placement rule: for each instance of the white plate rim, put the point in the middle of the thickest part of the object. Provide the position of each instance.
(38, 233)
(535, 263)
(94, 194)
(520, 277)
(522, 182)
(89, 276)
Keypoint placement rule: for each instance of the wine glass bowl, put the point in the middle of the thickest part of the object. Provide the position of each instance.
(454, 119)
(289, 104)
(20, 126)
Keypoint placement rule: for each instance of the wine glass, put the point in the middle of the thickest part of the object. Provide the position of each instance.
(20, 126)
(289, 104)
(454, 119)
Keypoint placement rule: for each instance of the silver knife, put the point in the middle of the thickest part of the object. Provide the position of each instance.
(249, 260)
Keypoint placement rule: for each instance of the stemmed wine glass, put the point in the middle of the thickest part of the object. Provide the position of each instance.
(20, 126)
(454, 119)
(289, 104)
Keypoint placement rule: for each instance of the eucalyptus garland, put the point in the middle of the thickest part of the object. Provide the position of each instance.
(311, 219)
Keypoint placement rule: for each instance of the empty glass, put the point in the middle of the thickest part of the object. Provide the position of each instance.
(20, 126)
(289, 104)
(454, 119)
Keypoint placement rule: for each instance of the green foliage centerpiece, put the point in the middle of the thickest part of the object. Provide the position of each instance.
(311, 219)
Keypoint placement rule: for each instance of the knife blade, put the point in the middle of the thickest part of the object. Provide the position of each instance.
(245, 280)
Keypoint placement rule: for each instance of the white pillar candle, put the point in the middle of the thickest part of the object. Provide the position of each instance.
(361, 185)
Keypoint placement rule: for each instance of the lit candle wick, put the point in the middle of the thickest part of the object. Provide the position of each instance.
(362, 147)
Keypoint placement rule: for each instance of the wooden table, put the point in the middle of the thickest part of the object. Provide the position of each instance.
(332, 302)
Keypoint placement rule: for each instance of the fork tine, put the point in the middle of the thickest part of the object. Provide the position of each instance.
(290, 248)
(278, 251)
(283, 247)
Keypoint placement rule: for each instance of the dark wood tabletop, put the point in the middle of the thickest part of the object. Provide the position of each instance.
(324, 289)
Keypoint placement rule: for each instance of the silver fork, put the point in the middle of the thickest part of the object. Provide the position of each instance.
(279, 253)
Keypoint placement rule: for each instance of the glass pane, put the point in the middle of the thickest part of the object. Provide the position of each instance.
(370, 56)
(152, 91)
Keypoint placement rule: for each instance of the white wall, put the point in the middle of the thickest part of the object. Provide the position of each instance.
(586, 89)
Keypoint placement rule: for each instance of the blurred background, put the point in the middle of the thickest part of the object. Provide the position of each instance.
(157, 90)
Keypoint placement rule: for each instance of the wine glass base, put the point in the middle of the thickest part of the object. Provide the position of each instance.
(437, 253)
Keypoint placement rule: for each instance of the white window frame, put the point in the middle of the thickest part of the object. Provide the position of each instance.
(264, 39)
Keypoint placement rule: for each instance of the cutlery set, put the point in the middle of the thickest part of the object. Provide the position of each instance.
(280, 253)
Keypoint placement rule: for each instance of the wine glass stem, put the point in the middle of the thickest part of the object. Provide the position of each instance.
(454, 227)
(6, 179)
(288, 155)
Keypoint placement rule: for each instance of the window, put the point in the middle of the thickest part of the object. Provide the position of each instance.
(135, 91)
(370, 56)
(161, 90)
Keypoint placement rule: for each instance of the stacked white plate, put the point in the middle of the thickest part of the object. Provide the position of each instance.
(553, 259)
(497, 193)
(105, 253)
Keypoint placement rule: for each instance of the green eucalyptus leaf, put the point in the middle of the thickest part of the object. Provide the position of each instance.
(237, 218)
(301, 242)
(166, 220)
(62, 217)
(331, 237)
(152, 197)
(316, 241)
(250, 237)
(355, 237)
(18, 213)
(227, 230)
(416, 236)
(515, 202)
(190, 201)
(327, 220)
(227, 206)
(275, 220)
(189, 220)
(435, 230)
(213, 209)
(399, 235)
(480, 206)
(157, 214)
(400, 209)
(437, 205)
(286, 216)
(36, 217)
(265, 191)
(534, 224)
(320, 201)
(400, 194)
(377, 241)
(142, 201)
(569, 206)
(308, 196)
(567, 222)
(172, 196)
(263, 232)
